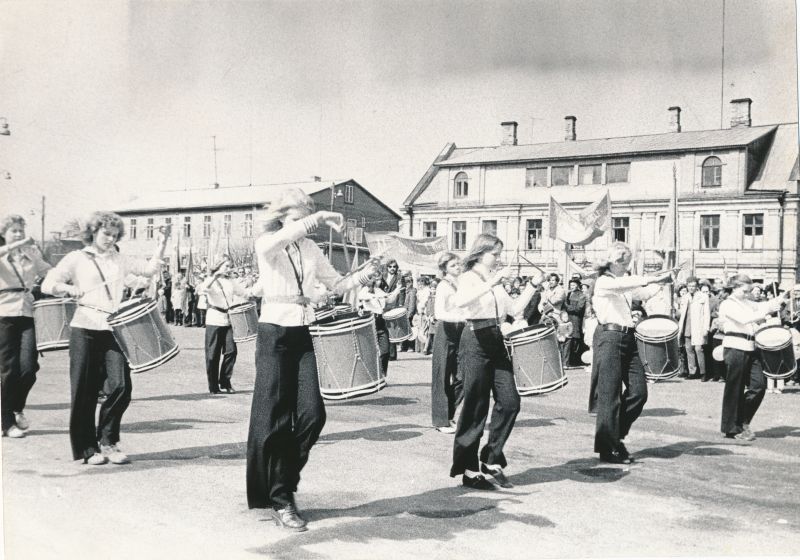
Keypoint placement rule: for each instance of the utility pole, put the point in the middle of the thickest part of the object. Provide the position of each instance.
(216, 180)
(43, 199)
(722, 73)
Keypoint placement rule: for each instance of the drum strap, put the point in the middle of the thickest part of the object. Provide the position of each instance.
(451, 283)
(221, 289)
(102, 276)
(12, 290)
(298, 275)
(17, 274)
(494, 297)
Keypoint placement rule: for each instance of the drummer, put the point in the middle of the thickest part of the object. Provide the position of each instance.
(615, 360)
(447, 382)
(486, 366)
(738, 317)
(95, 276)
(20, 264)
(220, 292)
(372, 298)
(287, 413)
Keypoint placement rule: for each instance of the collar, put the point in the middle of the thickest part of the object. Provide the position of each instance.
(108, 254)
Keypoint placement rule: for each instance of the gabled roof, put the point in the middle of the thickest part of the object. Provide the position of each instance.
(429, 174)
(228, 197)
(604, 147)
(779, 161)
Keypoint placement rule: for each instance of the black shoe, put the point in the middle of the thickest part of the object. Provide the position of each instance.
(616, 457)
(705, 380)
(288, 518)
(215, 391)
(230, 390)
(477, 483)
(498, 475)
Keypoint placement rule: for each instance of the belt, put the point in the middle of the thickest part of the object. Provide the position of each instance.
(749, 337)
(220, 309)
(478, 324)
(616, 327)
(11, 290)
(299, 300)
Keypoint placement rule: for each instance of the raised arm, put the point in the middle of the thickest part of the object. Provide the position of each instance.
(58, 281)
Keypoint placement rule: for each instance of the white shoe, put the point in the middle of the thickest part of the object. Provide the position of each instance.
(96, 459)
(14, 432)
(446, 429)
(22, 422)
(114, 454)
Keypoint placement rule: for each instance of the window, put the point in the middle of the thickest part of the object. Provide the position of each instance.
(459, 236)
(187, 226)
(619, 228)
(348, 194)
(132, 229)
(534, 235)
(461, 185)
(589, 174)
(712, 172)
(617, 172)
(661, 220)
(248, 225)
(753, 231)
(363, 221)
(207, 226)
(709, 231)
(428, 229)
(562, 175)
(352, 230)
(148, 230)
(226, 225)
(489, 226)
(168, 221)
(536, 177)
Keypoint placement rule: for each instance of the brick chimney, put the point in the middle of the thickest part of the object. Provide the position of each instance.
(569, 128)
(674, 119)
(740, 112)
(509, 133)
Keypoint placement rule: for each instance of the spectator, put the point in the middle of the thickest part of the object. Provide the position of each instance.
(693, 326)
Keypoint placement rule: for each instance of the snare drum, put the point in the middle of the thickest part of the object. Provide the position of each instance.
(348, 359)
(142, 335)
(244, 322)
(657, 342)
(397, 324)
(324, 313)
(51, 318)
(775, 347)
(342, 308)
(536, 360)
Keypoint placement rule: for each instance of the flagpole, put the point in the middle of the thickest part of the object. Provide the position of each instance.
(675, 236)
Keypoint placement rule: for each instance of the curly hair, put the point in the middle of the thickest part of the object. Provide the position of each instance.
(102, 220)
(618, 252)
(484, 243)
(11, 220)
(444, 260)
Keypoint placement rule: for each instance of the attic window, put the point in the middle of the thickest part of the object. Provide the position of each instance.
(712, 172)
(461, 185)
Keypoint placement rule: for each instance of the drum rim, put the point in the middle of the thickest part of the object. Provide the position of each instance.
(649, 317)
(53, 345)
(395, 313)
(372, 387)
(241, 307)
(54, 301)
(166, 356)
(337, 324)
(530, 329)
(781, 346)
(247, 338)
(144, 307)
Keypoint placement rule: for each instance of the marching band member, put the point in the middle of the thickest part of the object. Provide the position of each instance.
(19, 362)
(390, 283)
(738, 316)
(615, 360)
(95, 276)
(552, 296)
(373, 299)
(486, 366)
(220, 292)
(447, 384)
(288, 413)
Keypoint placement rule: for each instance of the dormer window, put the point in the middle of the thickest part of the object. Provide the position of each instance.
(461, 185)
(712, 172)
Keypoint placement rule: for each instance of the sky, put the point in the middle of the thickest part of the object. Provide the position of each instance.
(106, 100)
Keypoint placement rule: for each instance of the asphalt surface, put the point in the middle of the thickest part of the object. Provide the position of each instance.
(377, 483)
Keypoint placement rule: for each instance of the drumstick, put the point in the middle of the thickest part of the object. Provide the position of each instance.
(537, 267)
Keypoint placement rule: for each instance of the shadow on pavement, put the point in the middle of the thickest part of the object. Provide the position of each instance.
(205, 395)
(166, 425)
(219, 451)
(683, 448)
(48, 406)
(389, 432)
(382, 401)
(536, 422)
(779, 432)
(661, 412)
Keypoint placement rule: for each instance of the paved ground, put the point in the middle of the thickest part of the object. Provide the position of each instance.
(377, 484)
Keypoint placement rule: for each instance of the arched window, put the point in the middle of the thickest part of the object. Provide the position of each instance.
(461, 185)
(712, 172)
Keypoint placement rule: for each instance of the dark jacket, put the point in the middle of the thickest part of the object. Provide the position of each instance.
(575, 306)
(532, 314)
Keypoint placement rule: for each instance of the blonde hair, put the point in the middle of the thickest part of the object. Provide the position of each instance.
(11, 220)
(102, 220)
(483, 244)
(444, 260)
(285, 200)
(617, 253)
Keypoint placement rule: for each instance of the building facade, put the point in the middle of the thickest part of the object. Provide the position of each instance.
(220, 220)
(737, 195)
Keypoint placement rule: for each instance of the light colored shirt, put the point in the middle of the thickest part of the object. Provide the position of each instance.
(613, 295)
(76, 268)
(223, 293)
(29, 264)
(374, 302)
(552, 298)
(479, 300)
(277, 275)
(740, 316)
(444, 306)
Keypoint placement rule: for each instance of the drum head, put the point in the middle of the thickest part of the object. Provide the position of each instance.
(772, 337)
(240, 307)
(395, 313)
(657, 327)
(719, 353)
(586, 357)
(130, 307)
(531, 331)
(796, 343)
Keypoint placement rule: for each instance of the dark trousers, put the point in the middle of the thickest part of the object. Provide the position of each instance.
(617, 360)
(178, 316)
(18, 365)
(384, 346)
(286, 417)
(570, 352)
(447, 383)
(200, 318)
(487, 370)
(219, 342)
(95, 360)
(716, 369)
(740, 404)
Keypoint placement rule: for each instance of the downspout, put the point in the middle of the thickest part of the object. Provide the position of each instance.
(410, 210)
(782, 202)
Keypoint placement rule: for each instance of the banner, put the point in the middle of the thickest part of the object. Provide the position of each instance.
(592, 222)
(666, 235)
(419, 254)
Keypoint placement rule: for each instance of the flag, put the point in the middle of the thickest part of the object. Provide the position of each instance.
(177, 255)
(411, 253)
(190, 265)
(592, 222)
(351, 296)
(666, 235)
(573, 268)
